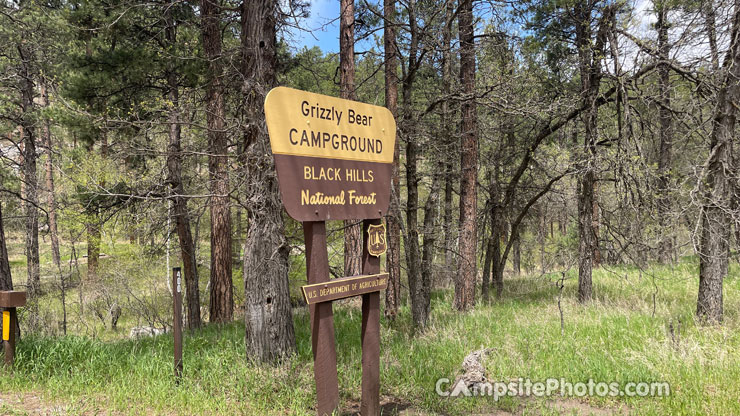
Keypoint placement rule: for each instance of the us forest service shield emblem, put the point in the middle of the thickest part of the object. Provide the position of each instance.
(376, 243)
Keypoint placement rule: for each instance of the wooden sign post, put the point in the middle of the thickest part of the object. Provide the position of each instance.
(334, 160)
(9, 301)
(177, 320)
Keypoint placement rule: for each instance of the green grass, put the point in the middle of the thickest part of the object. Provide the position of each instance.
(617, 337)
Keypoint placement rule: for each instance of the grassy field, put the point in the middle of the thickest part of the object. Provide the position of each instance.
(640, 327)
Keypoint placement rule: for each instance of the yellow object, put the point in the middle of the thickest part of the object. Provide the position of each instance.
(6, 325)
(306, 124)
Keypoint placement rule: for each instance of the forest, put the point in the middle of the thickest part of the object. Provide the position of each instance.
(565, 202)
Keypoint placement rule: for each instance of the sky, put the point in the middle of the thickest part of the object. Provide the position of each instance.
(321, 28)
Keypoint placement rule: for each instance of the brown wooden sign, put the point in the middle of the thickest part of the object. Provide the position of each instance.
(344, 287)
(12, 299)
(333, 157)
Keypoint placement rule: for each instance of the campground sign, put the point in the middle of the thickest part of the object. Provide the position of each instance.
(334, 157)
(334, 160)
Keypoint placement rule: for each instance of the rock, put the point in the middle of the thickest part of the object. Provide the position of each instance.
(145, 331)
(474, 372)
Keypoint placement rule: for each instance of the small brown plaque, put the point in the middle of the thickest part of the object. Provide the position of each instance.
(344, 287)
(12, 298)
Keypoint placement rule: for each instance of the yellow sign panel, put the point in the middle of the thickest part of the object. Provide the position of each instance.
(302, 123)
(6, 325)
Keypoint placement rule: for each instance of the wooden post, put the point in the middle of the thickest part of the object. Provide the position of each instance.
(177, 320)
(322, 321)
(313, 185)
(9, 336)
(370, 404)
(9, 300)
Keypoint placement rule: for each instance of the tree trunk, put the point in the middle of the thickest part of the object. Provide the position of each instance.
(21, 163)
(416, 292)
(93, 244)
(541, 239)
(221, 298)
(497, 260)
(594, 226)
(708, 9)
(237, 242)
(590, 54)
(270, 335)
(665, 134)
(179, 203)
(563, 219)
(427, 255)
(30, 179)
(6, 280)
(408, 130)
(447, 122)
(585, 235)
(493, 245)
(466, 269)
(449, 228)
(487, 264)
(517, 251)
(715, 216)
(353, 227)
(393, 258)
(132, 233)
(49, 169)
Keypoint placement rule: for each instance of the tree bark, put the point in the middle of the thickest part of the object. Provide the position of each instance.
(716, 217)
(466, 269)
(270, 335)
(179, 203)
(486, 284)
(408, 130)
(416, 292)
(49, 169)
(665, 135)
(585, 235)
(427, 254)
(353, 227)
(541, 238)
(594, 225)
(447, 118)
(449, 236)
(589, 65)
(93, 224)
(6, 280)
(237, 242)
(563, 219)
(221, 297)
(517, 251)
(30, 179)
(393, 258)
(493, 244)
(93, 244)
(498, 262)
(708, 9)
